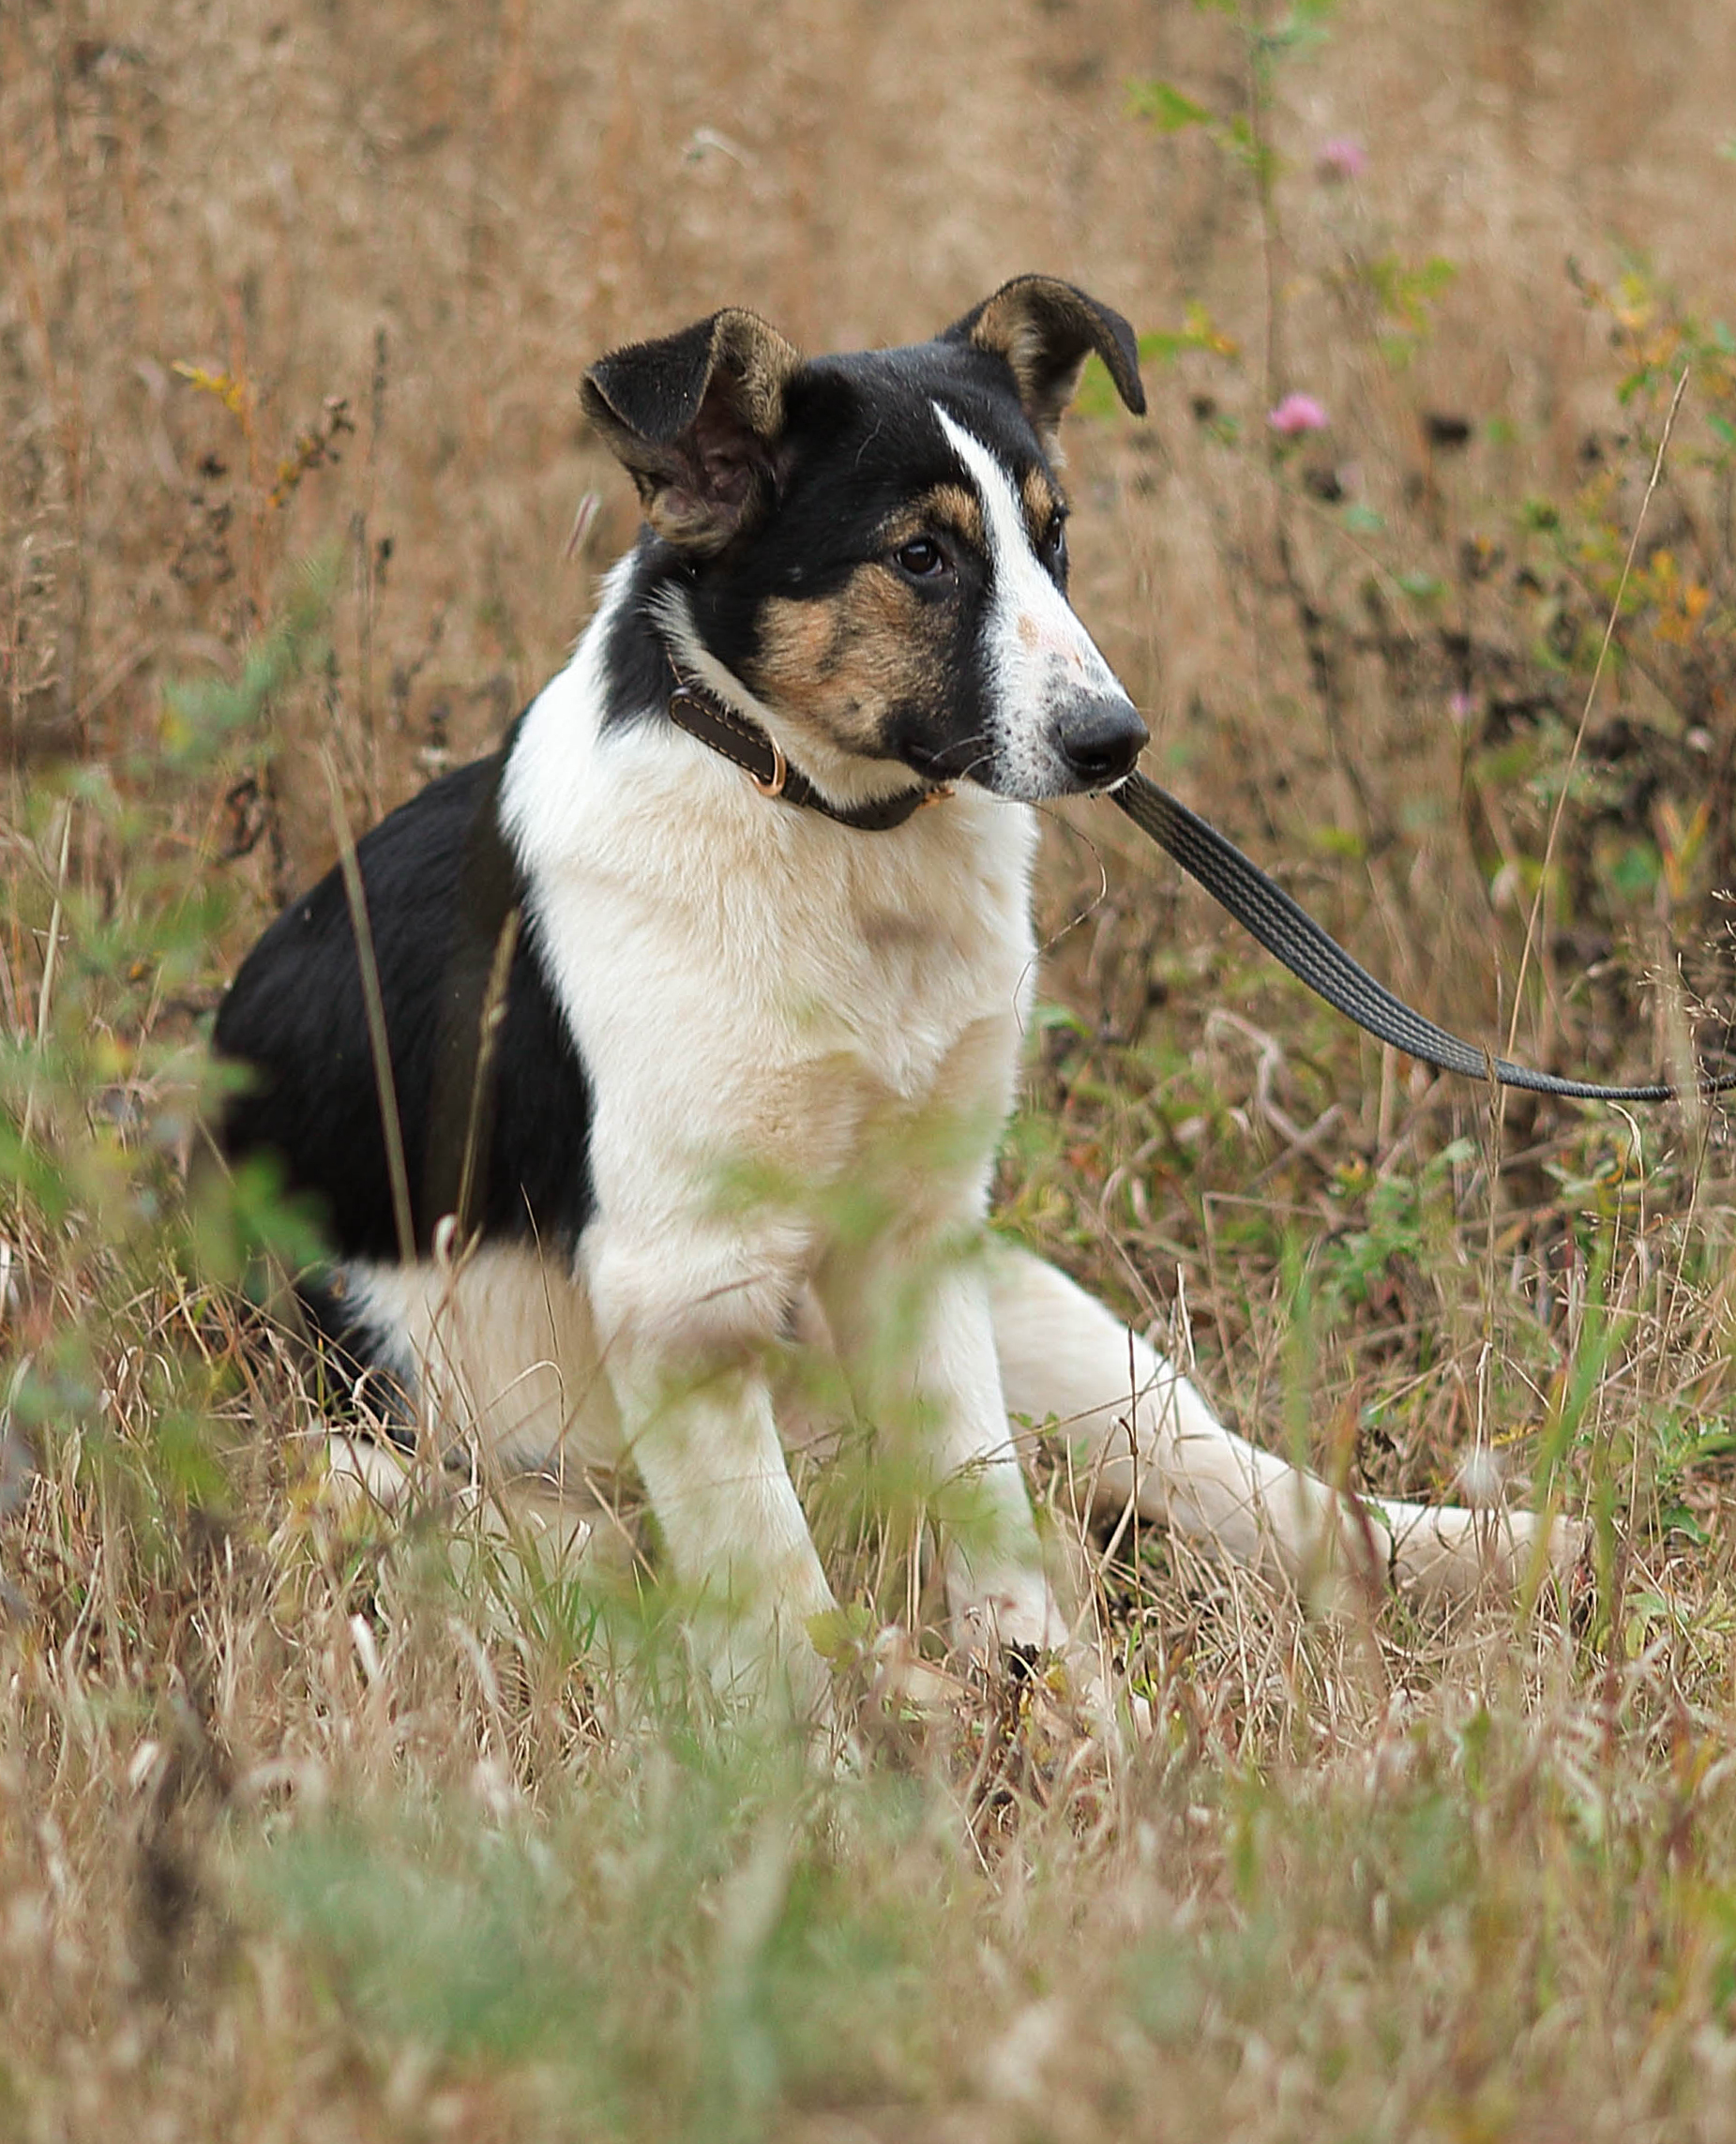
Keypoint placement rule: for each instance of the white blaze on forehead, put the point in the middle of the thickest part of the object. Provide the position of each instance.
(1039, 656)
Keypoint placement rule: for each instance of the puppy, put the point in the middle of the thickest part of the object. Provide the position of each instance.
(704, 1002)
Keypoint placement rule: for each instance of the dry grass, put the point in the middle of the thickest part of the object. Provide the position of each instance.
(308, 1830)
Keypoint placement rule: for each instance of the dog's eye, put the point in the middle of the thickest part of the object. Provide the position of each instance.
(1054, 544)
(921, 558)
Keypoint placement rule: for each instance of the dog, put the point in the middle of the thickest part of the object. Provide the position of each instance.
(734, 925)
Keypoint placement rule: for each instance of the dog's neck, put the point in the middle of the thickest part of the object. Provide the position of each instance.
(656, 642)
(719, 722)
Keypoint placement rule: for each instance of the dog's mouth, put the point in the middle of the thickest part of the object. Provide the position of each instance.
(1091, 745)
(968, 761)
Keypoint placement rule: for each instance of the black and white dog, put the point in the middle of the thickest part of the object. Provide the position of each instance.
(852, 584)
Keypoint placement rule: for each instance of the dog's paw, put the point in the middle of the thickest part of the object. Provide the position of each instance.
(1016, 1634)
(1529, 1551)
(1449, 1552)
(361, 1476)
(1046, 1728)
(1570, 1543)
(1014, 1612)
(900, 1681)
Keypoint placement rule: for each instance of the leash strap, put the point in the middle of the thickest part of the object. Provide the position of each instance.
(1290, 934)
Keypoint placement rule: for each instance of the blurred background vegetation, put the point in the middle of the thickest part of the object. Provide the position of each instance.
(302, 1831)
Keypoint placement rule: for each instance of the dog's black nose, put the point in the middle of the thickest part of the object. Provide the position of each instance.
(1100, 739)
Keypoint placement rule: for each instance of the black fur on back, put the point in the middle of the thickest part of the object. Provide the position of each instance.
(297, 1015)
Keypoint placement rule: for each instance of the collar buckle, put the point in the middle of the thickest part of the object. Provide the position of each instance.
(779, 774)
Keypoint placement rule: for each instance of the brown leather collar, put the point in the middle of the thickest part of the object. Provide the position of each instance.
(699, 710)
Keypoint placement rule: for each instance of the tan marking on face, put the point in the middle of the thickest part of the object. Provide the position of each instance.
(957, 507)
(1039, 499)
(845, 661)
(949, 509)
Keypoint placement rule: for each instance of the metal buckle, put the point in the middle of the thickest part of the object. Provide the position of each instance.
(780, 772)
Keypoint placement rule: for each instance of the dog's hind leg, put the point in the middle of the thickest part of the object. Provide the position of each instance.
(1139, 1431)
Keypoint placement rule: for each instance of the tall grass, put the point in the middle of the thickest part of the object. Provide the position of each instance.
(317, 1822)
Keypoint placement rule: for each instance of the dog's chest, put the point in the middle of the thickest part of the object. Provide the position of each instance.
(894, 957)
(762, 945)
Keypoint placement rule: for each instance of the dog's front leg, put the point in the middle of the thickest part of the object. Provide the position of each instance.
(685, 1353)
(914, 1329)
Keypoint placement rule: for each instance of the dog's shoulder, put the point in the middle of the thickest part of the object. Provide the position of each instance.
(296, 1004)
(297, 1015)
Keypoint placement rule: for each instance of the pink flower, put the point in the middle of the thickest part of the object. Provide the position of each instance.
(1462, 707)
(1340, 158)
(1297, 414)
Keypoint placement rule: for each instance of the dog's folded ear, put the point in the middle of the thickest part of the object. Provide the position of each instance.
(1044, 329)
(695, 418)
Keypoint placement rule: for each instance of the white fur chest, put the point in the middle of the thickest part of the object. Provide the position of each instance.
(722, 954)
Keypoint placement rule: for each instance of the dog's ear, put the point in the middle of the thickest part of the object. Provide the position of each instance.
(1044, 329)
(695, 418)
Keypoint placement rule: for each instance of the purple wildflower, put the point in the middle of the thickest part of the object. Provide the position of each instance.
(1297, 414)
(1341, 157)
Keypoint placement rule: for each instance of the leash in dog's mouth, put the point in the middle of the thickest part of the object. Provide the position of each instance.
(1235, 882)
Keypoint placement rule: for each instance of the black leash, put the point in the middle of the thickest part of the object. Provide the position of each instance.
(1290, 934)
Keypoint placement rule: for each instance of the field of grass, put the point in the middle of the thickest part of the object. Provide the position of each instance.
(326, 1829)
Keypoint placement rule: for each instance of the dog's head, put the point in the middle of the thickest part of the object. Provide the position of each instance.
(876, 544)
